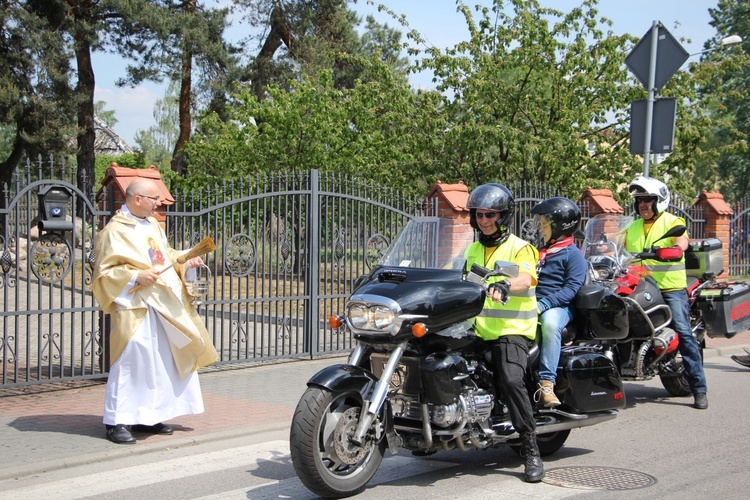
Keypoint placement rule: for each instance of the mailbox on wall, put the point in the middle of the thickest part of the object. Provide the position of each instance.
(54, 202)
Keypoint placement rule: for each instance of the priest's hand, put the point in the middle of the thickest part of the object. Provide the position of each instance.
(195, 262)
(147, 277)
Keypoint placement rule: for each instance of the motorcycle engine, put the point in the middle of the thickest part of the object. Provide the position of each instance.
(472, 406)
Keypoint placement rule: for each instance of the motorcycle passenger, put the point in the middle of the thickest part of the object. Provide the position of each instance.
(650, 201)
(561, 271)
(508, 320)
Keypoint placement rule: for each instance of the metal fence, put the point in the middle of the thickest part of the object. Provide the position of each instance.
(289, 247)
(739, 239)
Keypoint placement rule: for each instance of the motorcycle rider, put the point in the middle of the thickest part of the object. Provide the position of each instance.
(508, 319)
(561, 272)
(650, 201)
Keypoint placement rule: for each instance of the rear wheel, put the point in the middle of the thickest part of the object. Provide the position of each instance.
(325, 460)
(548, 443)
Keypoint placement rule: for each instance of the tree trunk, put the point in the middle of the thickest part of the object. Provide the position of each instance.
(280, 32)
(178, 156)
(186, 81)
(86, 132)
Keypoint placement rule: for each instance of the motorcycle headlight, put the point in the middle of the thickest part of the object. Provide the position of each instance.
(372, 314)
(358, 316)
(382, 317)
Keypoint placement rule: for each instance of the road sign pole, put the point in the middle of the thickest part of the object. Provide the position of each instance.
(650, 100)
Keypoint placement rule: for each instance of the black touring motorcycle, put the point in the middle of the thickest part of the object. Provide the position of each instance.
(420, 379)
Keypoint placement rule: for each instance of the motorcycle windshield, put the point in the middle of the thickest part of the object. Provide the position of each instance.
(605, 237)
(430, 243)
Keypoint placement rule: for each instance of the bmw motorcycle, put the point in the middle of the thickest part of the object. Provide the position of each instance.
(650, 347)
(421, 380)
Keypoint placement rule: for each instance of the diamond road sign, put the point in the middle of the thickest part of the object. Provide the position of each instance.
(670, 56)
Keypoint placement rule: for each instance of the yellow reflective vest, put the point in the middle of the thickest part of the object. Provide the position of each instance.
(668, 275)
(519, 315)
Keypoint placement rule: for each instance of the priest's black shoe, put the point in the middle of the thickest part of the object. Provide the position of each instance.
(154, 429)
(119, 434)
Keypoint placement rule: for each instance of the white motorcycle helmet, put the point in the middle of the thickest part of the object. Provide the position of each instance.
(648, 186)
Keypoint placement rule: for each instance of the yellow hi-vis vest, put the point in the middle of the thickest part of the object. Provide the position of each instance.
(668, 275)
(519, 315)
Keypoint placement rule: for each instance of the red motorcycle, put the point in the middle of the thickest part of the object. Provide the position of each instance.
(647, 346)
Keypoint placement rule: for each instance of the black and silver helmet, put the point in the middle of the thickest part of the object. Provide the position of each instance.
(497, 198)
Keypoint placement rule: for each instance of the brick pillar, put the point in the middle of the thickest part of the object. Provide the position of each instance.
(451, 204)
(718, 215)
(599, 201)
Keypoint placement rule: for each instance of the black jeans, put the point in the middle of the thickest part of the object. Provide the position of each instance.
(511, 356)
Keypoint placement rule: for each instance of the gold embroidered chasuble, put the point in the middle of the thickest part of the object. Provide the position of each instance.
(121, 252)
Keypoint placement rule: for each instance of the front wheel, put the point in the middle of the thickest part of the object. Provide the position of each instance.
(325, 460)
(676, 385)
(676, 382)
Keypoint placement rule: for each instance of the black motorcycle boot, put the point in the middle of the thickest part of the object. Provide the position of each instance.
(533, 468)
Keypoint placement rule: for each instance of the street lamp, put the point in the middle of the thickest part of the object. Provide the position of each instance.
(724, 42)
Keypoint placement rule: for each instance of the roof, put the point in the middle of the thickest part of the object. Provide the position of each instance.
(107, 142)
(123, 176)
(715, 201)
(603, 199)
(456, 195)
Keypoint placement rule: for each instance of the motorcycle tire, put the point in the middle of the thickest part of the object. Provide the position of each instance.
(324, 459)
(676, 386)
(547, 443)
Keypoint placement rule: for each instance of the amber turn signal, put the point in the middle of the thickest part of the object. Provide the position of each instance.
(334, 321)
(419, 330)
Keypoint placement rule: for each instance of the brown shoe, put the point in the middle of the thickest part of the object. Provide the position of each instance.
(547, 391)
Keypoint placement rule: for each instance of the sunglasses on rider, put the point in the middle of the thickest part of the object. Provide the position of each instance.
(646, 199)
(487, 215)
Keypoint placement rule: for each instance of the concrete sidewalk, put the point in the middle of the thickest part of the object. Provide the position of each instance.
(44, 431)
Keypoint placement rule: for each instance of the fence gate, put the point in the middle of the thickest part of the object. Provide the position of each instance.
(51, 326)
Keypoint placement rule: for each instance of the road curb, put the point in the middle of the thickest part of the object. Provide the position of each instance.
(120, 451)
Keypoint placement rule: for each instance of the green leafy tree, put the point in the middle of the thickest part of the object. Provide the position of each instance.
(726, 91)
(297, 37)
(181, 40)
(378, 130)
(37, 115)
(534, 94)
(156, 142)
(104, 114)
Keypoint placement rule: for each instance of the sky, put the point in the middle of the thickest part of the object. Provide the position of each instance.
(440, 25)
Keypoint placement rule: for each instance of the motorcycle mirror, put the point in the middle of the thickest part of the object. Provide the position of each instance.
(674, 232)
(503, 268)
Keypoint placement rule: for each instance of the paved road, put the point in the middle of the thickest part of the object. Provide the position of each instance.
(52, 444)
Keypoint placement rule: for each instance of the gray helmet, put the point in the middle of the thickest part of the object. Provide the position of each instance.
(497, 198)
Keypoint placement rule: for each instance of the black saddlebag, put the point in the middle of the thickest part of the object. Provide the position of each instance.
(725, 309)
(588, 381)
(600, 314)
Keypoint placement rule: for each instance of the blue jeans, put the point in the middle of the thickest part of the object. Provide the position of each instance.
(689, 348)
(553, 321)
